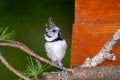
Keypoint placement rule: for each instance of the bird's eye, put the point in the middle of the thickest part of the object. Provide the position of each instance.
(54, 30)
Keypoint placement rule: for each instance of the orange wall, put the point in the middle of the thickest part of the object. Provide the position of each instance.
(95, 23)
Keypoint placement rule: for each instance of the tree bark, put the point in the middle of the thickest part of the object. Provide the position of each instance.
(89, 73)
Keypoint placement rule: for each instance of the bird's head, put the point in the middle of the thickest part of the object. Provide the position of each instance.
(52, 31)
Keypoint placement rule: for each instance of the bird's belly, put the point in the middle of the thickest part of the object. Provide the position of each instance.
(55, 51)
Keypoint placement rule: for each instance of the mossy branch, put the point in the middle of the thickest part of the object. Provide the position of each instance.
(89, 73)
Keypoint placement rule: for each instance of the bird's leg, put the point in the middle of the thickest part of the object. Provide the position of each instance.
(61, 66)
(55, 63)
(63, 73)
(60, 70)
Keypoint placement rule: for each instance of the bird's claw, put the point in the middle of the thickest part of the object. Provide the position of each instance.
(63, 73)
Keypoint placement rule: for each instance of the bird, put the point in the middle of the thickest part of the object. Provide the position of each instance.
(55, 45)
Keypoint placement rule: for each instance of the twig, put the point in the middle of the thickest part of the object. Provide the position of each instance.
(104, 53)
(24, 48)
(38, 62)
(36, 77)
(3, 60)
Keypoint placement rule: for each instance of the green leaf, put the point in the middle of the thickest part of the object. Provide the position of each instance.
(5, 35)
(33, 69)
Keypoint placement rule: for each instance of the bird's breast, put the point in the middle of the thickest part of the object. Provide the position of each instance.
(56, 50)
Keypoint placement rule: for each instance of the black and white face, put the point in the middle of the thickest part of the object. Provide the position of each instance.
(52, 33)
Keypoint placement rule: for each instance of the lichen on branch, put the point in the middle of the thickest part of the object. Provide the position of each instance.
(104, 53)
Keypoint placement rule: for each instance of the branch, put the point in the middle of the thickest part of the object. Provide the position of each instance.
(24, 48)
(3, 60)
(90, 73)
(104, 53)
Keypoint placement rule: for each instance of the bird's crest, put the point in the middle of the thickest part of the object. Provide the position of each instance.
(51, 23)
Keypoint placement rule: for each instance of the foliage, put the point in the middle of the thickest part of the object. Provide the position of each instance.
(4, 35)
(32, 69)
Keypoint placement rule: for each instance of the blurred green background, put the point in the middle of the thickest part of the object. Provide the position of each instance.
(28, 19)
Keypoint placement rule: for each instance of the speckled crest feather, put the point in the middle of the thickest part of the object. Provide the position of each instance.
(51, 23)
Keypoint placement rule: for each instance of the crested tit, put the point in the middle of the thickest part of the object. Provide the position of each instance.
(55, 45)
